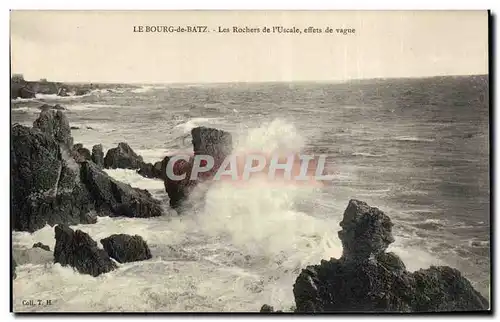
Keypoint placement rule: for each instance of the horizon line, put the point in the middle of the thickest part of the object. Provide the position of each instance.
(252, 82)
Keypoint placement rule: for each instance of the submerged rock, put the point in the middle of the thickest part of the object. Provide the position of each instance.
(98, 155)
(78, 250)
(34, 256)
(42, 246)
(122, 157)
(367, 279)
(125, 248)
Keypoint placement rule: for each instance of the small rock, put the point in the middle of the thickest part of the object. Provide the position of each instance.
(125, 248)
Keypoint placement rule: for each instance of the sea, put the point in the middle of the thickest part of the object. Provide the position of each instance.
(416, 148)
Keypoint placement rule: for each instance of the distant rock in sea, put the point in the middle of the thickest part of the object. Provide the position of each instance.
(122, 157)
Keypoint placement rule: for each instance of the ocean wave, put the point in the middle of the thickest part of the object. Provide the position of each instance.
(186, 127)
(370, 155)
(89, 106)
(412, 139)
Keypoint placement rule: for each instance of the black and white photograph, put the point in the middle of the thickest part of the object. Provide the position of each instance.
(272, 161)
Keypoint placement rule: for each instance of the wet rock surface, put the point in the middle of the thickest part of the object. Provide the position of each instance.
(78, 250)
(122, 157)
(125, 248)
(50, 187)
(367, 279)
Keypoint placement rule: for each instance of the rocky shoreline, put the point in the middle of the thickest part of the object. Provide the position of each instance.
(21, 88)
(57, 182)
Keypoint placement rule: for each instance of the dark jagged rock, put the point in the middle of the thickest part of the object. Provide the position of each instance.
(206, 141)
(122, 157)
(367, 279)
(78, 250)
(125, 248)
(366, 231)
(149, 170)
(49, 187)
(82, 154)
(44, 182)
(56, 124)
(42, 246)
(443, 288)
(98, 155)
(115, 198)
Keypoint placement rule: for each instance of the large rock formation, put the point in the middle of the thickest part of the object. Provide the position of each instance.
(122, 157)
(49, 187)
(206, 141)
(44, 181)
(367, 279)
(125, 248)
(78, 250)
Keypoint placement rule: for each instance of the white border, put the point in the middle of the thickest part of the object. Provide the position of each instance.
(177, 5)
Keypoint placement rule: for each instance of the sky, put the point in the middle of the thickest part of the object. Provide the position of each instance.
(101, 46)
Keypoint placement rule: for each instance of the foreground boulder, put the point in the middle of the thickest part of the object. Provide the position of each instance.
(49, 187)
(122, 157)
(125, 248)
(206, 141)
(367, 279)
(78, 250)
(98, 155)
